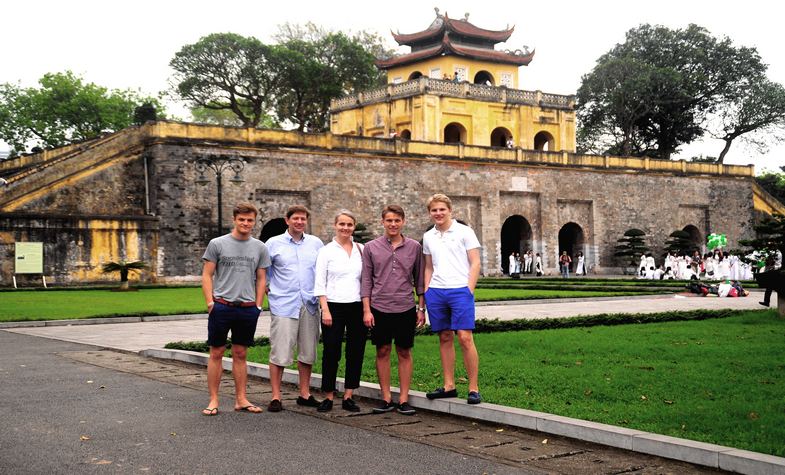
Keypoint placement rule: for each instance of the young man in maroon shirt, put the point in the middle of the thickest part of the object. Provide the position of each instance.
(392, 266)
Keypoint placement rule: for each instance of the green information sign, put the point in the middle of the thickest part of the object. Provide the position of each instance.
(29, 258)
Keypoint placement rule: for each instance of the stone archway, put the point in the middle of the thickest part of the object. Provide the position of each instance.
(500, 136)
(572, 240)
(516, 236)
(454, 133)
(406, 134)
(414, 75)
(696, 238)
(484, 78)
(543, 141)
(272, 228)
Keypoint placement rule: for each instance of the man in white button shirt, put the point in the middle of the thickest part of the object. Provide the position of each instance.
(452, 267)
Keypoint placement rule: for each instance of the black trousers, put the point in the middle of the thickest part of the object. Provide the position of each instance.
(767, 296)
(348, 320)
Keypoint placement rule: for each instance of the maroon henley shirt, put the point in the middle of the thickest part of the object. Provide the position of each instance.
(389, 274)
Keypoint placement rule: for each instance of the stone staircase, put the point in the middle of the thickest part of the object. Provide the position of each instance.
(32, 176)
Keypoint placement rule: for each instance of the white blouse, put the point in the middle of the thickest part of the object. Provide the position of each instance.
(338, 274)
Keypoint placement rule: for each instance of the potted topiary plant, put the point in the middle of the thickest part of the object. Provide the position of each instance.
(123, 268)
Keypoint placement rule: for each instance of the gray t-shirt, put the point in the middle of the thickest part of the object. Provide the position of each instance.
(236, 264)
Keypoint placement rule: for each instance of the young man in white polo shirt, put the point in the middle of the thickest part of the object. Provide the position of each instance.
(452, 267)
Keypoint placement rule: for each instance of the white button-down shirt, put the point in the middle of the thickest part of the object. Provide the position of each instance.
(338, 274)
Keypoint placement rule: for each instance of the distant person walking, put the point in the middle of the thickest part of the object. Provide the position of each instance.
(452, 266)
(580, 266)
(233, 283)
(564, 264)
(770, 265)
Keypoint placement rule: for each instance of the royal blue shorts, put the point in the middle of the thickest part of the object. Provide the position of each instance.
(450, 309)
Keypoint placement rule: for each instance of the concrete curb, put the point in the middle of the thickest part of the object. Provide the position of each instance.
(107, 320)
(700, 453)
(101, 321)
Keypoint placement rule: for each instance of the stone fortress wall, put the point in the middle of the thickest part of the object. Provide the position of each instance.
(133, 194)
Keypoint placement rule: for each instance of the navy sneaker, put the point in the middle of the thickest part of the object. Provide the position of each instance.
(405, 409)
(440, 393)
(385, 407)
(474, 397)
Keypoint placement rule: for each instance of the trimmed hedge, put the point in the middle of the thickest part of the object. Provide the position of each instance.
(202, 347)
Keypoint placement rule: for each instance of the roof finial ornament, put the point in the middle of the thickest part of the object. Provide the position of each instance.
(436, 9)
(466, 16)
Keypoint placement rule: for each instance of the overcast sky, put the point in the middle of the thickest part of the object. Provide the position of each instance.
(129, 44)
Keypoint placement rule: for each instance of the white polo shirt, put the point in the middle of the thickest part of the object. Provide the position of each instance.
(448, 254)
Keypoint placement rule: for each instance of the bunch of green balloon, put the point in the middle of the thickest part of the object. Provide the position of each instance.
(716, 240)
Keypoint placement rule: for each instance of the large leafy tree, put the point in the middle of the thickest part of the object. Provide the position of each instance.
(292, 81)
(322, 65)
(656, 90)
(226, 71)
(63, 109)
(754, 113)
(774, 183)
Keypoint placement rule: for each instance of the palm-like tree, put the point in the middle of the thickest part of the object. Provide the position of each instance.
(123, 268)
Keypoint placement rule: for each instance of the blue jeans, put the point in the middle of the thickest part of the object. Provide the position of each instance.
(565, 271)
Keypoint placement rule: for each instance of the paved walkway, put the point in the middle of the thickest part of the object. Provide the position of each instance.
(143, 335)
(484, 446)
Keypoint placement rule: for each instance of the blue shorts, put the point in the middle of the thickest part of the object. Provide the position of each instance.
(450, 309)
(240, 320)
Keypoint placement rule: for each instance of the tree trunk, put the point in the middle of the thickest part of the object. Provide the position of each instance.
(724, 150)
(781, 305)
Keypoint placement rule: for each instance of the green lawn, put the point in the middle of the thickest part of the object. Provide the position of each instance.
(482, 295)
(24, 305)
(720, 381)
(67, 304)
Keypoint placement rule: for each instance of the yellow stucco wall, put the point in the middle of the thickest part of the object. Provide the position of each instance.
(447, 65)
(426, 116)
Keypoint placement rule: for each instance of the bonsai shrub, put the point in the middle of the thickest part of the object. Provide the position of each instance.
(680, 243)
(123, 268)
(631, 247)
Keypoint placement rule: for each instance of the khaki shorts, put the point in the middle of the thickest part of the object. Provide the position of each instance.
(286, 334)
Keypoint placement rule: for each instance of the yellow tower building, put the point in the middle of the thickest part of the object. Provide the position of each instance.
(455, 87)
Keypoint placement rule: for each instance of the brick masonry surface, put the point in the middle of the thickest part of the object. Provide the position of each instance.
(601, 204)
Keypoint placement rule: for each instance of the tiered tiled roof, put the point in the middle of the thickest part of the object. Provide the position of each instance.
(445, 24)
(449, 47)
(456, 37)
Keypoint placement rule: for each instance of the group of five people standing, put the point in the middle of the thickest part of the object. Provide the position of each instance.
(346, 289)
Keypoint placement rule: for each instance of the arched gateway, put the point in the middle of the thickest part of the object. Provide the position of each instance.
(516, 236)
(571, 239)
(272, 228)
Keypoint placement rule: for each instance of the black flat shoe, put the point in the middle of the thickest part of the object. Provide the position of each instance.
(325, 406)
(310, 402)
(350, 405)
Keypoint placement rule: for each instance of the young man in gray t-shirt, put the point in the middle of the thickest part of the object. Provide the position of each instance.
(234, 280)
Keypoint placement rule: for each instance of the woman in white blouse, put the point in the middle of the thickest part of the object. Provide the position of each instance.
(338, 269)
